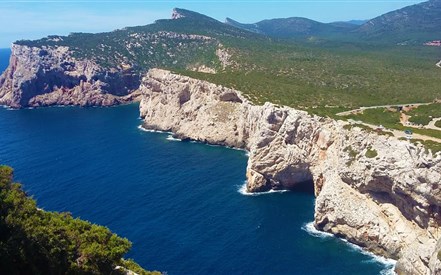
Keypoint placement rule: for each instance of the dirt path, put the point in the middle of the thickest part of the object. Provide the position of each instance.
(398, 133)
(381, 106)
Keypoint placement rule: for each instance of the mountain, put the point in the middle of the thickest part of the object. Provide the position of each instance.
(413, 24)
(249, 27)
(349, 23)
(416, 23)
(356, 22)
(293, 27)
(105, 68)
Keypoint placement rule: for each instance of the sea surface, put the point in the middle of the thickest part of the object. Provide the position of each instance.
(4, 58)
(180, 203)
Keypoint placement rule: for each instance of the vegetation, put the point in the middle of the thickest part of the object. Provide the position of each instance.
(435, 147)
(325, 77)
(387, 117)
(352, 154)
(438, 124)
(391, 119)
(371, 153)
(424, 114)
(33, 241)
(309, 74)
(322, 75)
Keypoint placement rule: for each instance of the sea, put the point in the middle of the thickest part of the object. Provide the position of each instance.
(182, 204)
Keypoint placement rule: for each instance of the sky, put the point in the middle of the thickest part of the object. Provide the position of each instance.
(33, 19)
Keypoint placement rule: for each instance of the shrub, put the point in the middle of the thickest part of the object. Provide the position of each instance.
(371, 153)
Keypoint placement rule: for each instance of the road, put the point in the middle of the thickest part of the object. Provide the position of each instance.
(397, 133)
(431, 124)
(381, 106)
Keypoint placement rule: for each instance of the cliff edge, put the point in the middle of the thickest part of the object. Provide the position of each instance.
(52, 75)
(375, 191)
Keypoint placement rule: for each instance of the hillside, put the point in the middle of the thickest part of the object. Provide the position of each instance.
(189, 39)
(320, 75)
(294, 27)
(105, 69)
(413, 24)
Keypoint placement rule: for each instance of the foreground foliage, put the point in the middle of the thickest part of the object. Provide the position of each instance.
(33, 241)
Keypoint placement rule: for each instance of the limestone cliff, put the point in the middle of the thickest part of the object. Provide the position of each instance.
(51, 75)
(375, 191)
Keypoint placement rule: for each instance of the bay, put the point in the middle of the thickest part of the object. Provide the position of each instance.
(178, 202)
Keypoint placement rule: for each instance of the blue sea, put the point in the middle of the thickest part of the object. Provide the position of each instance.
(4, 58)
(180, 203)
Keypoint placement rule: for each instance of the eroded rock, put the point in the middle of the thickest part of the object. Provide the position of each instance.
(386, 201)
(53, 76)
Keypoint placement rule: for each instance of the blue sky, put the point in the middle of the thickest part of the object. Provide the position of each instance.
(32, 19)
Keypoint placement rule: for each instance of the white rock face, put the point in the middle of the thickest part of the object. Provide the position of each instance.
(52, 76)
(376, 191)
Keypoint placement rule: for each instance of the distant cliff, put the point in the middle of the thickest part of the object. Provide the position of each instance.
(44, 76)
(375, 191)
(105, 68)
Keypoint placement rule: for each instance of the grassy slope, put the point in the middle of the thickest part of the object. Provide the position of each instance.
(345, 75)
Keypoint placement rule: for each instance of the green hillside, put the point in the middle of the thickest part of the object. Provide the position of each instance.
(295, 27)
(166, 43)
(323, 76)
(414, 24)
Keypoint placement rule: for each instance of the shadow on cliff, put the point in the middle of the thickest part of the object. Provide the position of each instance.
(303, 187)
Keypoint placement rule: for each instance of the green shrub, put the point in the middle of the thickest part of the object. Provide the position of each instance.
(352, 154)
(424, 114)
(371, 153)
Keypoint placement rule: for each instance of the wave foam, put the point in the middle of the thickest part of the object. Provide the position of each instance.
(171, 138)
(242, 189)
(6, 107)
(389, 264)
(140, 127)
(311, 230)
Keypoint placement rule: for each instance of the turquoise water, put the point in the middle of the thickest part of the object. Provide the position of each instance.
(178, 202)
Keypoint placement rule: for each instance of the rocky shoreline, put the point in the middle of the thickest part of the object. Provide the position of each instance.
(378, 192)
(49, 76)
(375, 191)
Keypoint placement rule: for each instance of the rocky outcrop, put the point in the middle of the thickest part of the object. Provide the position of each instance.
(49, 75)
(375, 191)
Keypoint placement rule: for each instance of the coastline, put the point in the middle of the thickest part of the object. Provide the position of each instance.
(286, 144)
(172, 137)
(389, 264)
